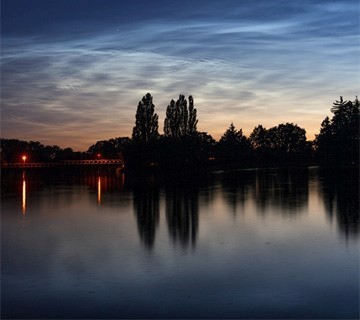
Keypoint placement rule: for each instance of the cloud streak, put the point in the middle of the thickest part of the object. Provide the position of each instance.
(74, 89)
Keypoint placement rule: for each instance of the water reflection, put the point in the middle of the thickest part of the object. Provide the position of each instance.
(182, 212)
(146, 208)
(99, 190)
(236, 186)
(76, 259)
(340, 193)
(270, 190)
(284, 189)
(106, 182)
(23, 198)
(27, 183)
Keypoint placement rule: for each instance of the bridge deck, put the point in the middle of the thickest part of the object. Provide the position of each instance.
(95, 162)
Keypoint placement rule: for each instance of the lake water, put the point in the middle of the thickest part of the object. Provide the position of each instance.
(262, 243)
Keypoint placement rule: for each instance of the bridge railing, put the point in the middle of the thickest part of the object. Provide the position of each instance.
(94, 161)
(28, 165)
(101, 162)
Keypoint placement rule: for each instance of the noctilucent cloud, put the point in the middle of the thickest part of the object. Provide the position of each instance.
(72, 72)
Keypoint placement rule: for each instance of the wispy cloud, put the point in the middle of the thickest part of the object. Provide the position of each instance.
(76, 89)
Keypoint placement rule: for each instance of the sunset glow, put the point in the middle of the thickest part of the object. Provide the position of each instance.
(180, 159)
(73, 72)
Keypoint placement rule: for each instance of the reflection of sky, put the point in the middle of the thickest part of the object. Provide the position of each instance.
(72, 258)
(73, 72)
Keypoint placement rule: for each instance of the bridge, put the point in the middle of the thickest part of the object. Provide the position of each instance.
(119, 163)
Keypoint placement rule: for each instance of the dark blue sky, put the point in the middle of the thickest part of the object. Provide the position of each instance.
(73, 71)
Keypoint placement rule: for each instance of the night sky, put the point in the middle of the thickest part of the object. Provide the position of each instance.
(73, 71)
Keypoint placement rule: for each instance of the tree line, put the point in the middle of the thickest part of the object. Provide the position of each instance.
(286, 144)
(183, 145)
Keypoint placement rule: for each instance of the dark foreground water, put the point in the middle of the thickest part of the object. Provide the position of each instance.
(238, 244)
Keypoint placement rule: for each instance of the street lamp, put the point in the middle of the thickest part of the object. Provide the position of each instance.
(99, 156)
(24, 158)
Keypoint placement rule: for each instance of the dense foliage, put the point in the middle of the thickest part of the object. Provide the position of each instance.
(338, 140)
(234, 147)
(12, 150)
(285, 143)
(109, 149)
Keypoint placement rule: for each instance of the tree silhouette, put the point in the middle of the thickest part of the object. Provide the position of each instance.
(338, 140)
(323, 140)
(287, 138)
(259, 137)
(180, 119)
(146, 121)
(233, 146)
(191, 118)
(282, 144)
(13, 149)
(111, 148)
(189, 151)
(182, 144)
(172, 120)
(232, 136)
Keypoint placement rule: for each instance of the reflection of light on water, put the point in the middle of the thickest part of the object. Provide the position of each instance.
(23, 204)
(122, 179)
(99, 190)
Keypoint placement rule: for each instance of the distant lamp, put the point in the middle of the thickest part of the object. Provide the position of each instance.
(24, 158)
(98, 155)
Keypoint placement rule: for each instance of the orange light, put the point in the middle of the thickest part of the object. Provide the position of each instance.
(99, 190)
(99, 155)
(24, 158)
(23, 204)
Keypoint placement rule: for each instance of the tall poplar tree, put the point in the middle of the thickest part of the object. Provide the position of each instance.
(146, 121)
(181, 119)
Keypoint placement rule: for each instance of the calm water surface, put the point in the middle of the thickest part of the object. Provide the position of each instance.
(238, 244)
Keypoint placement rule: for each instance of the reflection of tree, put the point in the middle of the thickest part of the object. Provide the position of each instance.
(341, 198)
(283, 188)
(109, 183)
(146, 205)
(182, 212)
(236, 185)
